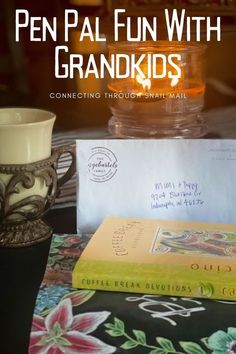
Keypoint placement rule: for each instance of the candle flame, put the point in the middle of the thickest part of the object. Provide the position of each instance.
(174, 82)
(146, 83)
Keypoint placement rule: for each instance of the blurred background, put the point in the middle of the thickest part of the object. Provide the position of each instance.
(27, 68)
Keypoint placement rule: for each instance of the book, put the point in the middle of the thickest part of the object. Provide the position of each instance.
(177, 258)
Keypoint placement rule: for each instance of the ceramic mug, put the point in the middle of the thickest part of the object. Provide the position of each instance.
(28, 170)
(25, 135)
(28, 187)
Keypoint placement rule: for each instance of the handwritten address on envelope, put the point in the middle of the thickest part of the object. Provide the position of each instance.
(161, 179)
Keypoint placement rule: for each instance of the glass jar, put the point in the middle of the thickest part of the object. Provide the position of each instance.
(156, 103)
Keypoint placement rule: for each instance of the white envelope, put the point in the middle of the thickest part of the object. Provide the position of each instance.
(161, 179)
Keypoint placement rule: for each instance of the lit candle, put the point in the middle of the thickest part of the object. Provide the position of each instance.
(160, 107)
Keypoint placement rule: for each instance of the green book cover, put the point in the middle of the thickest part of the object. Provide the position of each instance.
(160, 257)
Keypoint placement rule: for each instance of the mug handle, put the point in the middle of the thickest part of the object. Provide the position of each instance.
(65, 149)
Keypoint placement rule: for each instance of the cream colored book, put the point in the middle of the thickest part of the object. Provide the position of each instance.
(160, 257)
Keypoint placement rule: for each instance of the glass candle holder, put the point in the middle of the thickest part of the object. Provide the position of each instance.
(160, 107)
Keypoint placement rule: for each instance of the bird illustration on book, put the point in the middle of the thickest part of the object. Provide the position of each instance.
(200, 242)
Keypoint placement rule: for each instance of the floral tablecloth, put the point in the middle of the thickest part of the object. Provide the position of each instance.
(70, 321)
